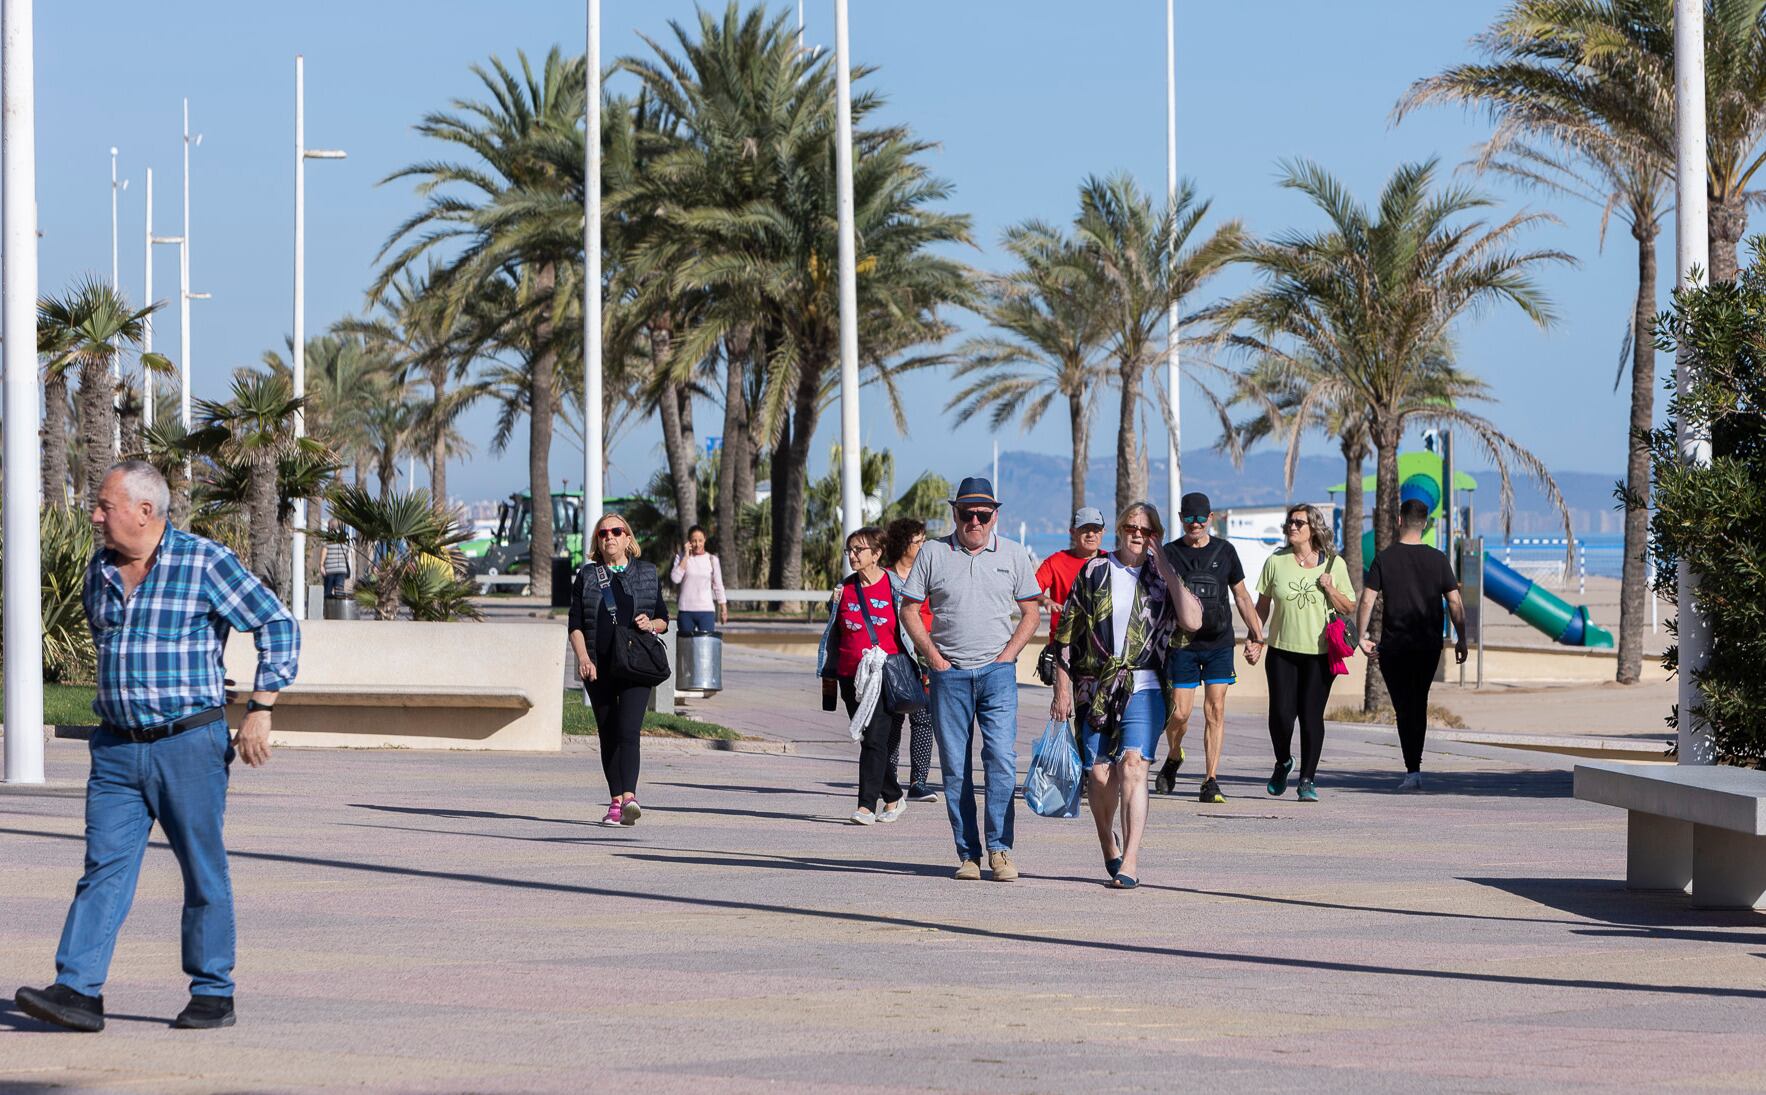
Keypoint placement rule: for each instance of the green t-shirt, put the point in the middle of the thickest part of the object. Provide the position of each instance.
(1299, 611)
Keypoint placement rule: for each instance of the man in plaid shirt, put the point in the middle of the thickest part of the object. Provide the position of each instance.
(160, 602)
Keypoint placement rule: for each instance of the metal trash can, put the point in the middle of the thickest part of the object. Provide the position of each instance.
(699, 663)
(561, 580)
(341, 608)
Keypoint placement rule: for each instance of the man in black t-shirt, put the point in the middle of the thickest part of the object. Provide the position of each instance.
(1414, 579)
(1211, 568)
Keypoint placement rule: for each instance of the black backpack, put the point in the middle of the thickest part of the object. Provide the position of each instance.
(1210, 587)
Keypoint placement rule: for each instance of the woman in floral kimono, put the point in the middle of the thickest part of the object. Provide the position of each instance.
(1125, 610)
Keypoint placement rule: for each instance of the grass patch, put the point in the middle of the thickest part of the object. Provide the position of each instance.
(1438, 716)
(579, 718)
(67, 704)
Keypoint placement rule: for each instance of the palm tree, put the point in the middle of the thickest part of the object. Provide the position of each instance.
(1143, 262)
(1052, 329)
(1566, 122)
(88, 327)
(52, 345)
(507, 210)
(411, 541)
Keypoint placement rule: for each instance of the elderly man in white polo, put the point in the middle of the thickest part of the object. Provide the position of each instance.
(974, 579)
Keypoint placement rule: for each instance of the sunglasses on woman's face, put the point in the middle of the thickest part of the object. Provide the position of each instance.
(1297, 524)
(610, 533)
(1138, 529)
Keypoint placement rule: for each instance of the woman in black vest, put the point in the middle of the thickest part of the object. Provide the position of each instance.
(615, 586)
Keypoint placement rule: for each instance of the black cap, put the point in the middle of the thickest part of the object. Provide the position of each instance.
(1194, 504)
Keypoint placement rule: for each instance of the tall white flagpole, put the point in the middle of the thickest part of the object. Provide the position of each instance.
(1692, 253)
(851, 490)
(1173, 374)
(116, 285)
(147, 302)
(594, 469)
(22, 561)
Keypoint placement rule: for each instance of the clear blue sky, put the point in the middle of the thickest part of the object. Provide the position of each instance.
(1025, 99)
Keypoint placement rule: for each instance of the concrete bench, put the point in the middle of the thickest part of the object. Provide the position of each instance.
(380, 683)
(491, 583)
(1701, 827)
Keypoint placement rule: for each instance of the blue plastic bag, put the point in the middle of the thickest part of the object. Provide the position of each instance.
(1052, 786)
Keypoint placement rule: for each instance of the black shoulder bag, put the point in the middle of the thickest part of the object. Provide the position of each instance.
(903, 694)
(634, 656)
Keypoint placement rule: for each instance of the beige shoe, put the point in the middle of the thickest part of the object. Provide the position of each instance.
(970, 871)
(1001, 863)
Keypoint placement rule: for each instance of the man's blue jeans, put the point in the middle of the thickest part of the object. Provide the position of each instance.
(961, 698)
(180, 782)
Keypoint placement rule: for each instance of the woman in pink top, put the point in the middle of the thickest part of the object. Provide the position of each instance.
(701, 580)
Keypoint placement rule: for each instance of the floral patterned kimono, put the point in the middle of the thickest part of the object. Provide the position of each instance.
(1103, 678)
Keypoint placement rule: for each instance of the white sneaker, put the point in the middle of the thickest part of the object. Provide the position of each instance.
(1412, 781)
(863, 817)
(893, 811)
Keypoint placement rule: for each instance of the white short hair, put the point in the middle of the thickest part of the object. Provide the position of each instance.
(144, 484)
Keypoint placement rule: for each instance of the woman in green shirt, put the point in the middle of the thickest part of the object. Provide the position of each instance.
(1300, 587)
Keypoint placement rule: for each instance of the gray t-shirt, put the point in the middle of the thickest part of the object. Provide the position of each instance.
(973, 597)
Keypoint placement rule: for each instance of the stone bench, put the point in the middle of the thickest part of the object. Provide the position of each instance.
(398, 683)
(1701, 827)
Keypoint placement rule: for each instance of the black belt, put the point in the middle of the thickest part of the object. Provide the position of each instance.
(166, 730)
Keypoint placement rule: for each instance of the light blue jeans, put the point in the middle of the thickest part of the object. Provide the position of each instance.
(961, 699)
(180, 782)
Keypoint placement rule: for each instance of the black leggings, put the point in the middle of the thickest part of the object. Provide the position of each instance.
(876, 776)
(1409, 673)
(1299, 688)
(919, 747)
(619, 720)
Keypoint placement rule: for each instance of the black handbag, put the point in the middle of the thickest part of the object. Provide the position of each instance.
(634, 656)
(903, 694)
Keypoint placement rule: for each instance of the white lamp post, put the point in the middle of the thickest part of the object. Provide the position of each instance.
(185, 296)
(594, 470)
(852, 497)
(116, 359)
(298, 590)
(1173, 375)
(147, 397)
(22, 562)
(1692, 252)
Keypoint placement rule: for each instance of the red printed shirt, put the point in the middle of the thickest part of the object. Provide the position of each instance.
(854, 640)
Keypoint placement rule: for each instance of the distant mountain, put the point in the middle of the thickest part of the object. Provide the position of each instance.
(1034, 488)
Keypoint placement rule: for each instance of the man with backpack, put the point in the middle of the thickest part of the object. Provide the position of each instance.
(1211, 568)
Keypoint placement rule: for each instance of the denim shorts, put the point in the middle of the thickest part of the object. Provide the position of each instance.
(1143, 727)
(1186, 667)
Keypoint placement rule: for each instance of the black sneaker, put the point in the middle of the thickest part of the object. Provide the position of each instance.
(919, 792)
(1210, 791)
(1166, 781)
(205, 1013)
(1278, 780)
(63, 1006)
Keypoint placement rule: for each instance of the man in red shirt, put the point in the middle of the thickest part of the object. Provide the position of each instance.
(1055, 576)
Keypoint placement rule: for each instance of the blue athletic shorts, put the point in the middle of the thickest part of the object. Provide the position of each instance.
(1186, 667)
(1143, 727)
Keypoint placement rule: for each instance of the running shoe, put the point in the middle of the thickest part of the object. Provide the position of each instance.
(630, 812)
(1412, 781)
(1210, 791)
(1307, 792)
(919, 792)
(612, 817)
(1278, 780)
(1166, 781)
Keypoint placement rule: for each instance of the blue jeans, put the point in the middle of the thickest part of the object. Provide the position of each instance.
(334, 584)
(696, 623)
(961, 698)
(181, 782)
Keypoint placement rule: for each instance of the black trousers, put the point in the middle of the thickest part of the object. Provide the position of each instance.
(876, 775)
(1409, 672)
(619, 722)
(920, 739)
(1299, 688)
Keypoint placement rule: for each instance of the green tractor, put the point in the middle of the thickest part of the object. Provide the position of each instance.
(508, 550)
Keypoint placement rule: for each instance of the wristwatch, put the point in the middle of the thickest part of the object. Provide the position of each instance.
(253, 705)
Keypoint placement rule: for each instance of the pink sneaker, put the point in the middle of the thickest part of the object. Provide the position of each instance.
(613, 816)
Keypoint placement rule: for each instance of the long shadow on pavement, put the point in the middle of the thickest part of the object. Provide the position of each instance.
(1110, 946)
(1636, 914)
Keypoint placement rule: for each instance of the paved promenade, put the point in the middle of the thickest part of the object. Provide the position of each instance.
(418, 921)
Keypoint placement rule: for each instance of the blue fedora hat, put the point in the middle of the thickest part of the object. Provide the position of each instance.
(975, 489)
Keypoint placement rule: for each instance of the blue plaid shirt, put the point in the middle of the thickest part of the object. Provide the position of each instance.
(160, 649)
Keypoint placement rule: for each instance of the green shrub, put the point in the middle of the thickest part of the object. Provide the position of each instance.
(1712, 517)
(67, 547)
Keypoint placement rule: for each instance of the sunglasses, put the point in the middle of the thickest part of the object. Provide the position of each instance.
(1298, 524)
(1189, 520)
(610, 533)
(1141, 529)
(979, 516)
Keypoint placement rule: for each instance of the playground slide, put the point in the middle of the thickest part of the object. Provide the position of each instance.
(1565, 623)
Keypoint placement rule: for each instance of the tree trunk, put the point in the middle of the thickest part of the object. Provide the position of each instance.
(1354, 506)
(1131, 484)
(1081, 434)
(179, 484)
(129, 426)
(1728, 222)
(262, 522)
(1387, 435)
(54, 439)
(386, 470)
(97, 432)
(1633, 593)
(678, 450)
(733, 453)
(542, 388)
(780, 459)
(796, 491)
(438, 444)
